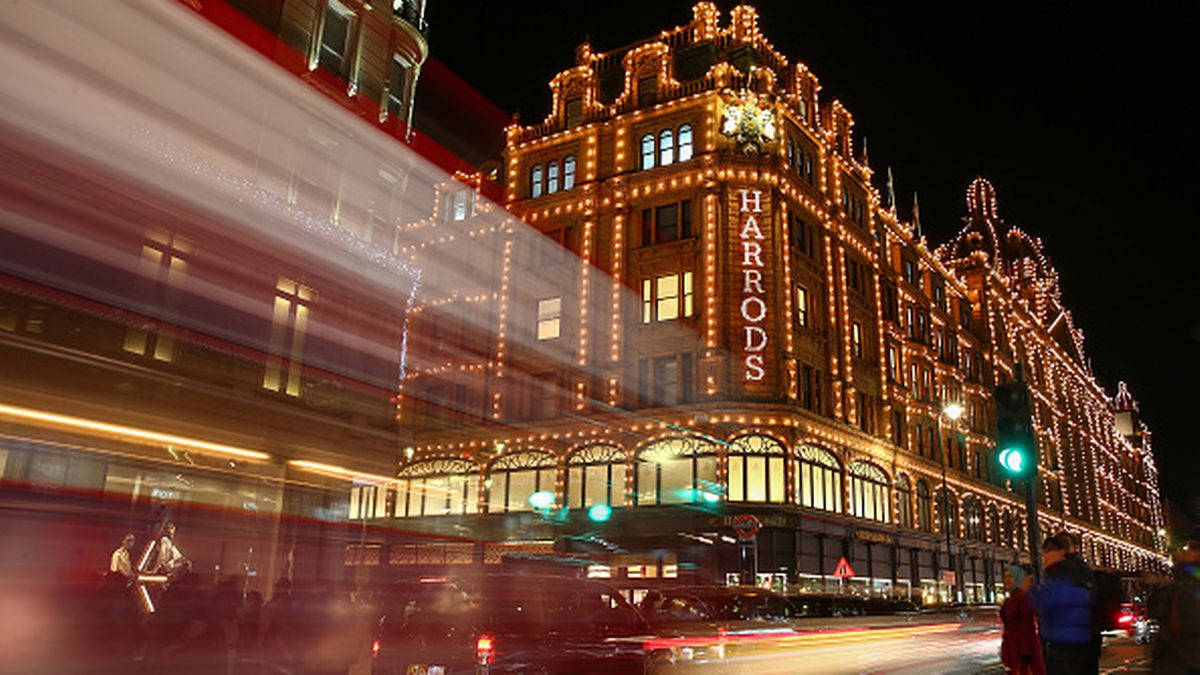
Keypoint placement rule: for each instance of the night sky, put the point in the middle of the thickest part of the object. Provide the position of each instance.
(1082, 118)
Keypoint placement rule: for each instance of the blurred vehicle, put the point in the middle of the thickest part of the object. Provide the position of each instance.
(728, 607)
(502, 623)
(828, 606)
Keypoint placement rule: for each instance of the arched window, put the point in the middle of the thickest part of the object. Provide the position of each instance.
(924, 507)
(551, 177)
(535, 181)
(755, 470)
(870, 496)
(648, 151)
(818, 479)
(685, 143)
(596, 475)
(514, 478)
(666, 147)
(948, 510)
(904, 501)
(994, 524)
(1007, 536)
(973, 519)
(438, 487)
(568, 172)
(677, 471)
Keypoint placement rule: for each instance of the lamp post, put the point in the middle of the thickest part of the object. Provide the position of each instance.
(953, 411)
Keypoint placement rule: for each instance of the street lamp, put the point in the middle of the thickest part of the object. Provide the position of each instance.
(953, 411)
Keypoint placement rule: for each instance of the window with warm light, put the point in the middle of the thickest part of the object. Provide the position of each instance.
(596, 475)
(856, 339)
(801, 307)
(513, 479)
(870, 495)
(549, 318)
(164, 269)
(668, 297)
(437, 487)
(289, 325)
(904, 516)
(755, 470)
(818, 478)
(677, 471)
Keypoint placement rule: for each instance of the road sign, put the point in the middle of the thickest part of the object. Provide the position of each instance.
(843, 569)
(949, 578)
(746, 525)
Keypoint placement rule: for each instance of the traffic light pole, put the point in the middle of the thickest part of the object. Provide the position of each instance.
(946, 510)
(1031, 525)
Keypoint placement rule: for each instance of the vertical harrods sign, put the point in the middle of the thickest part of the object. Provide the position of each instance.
(751, 263)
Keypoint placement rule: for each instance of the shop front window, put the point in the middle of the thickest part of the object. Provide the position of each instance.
(440, 487)
(677, 471)
(818, 479)
(513, 479)
(596, 475)
(870, 495)
(755, 470)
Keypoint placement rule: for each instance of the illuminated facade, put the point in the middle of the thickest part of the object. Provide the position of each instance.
(702, 307)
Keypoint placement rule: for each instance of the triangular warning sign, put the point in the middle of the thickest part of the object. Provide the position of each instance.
(843, 569)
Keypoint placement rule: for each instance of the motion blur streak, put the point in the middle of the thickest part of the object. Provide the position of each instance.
(120, 431)
(940, 648)
(803, 637)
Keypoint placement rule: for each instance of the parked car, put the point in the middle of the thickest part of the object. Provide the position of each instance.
(507, 623)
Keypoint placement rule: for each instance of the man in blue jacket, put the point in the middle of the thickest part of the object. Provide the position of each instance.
(1065, 604)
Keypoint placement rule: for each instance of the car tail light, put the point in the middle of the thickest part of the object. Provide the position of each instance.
(1125, 618)
(374, 648)
(485, 650)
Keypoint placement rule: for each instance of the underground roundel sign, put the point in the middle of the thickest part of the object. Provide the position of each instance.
(746, 525)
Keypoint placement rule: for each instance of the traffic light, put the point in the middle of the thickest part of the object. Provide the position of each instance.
(1016, 450)
(599, 513)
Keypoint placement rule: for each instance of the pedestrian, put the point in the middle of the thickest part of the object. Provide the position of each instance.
(121, 563)
(1020, 646)
(1065, 605)
(1176, 607)
(171, 560)
(1104, 604)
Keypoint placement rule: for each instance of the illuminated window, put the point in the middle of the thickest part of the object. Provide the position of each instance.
(818, 478)
(892, 364)
(755, 470)
(335, 38)
(438, 487)
(289, 323)
(904, 516)
(551, 177)
(648, 151)
(948, 506)
(666, 289)
(549, 318)
(164, 269)
(513, 479)
(685, 143)
(368, 501)
(688, 295)
(596, 475)
(666, 147)
(677, 471)
(535, 180)
(924, 507)
(458, 204)
(870, 496)
(973, 519)
(856, 339)
(647, 301)
(569, 172)
(801, 307)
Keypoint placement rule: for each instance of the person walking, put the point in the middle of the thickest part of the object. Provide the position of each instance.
(1065, 604)
(1176, 607)
(171, 560)
(121, 563)
(1020, 646)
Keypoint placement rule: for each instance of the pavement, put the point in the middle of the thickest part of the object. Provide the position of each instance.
(1122, 655)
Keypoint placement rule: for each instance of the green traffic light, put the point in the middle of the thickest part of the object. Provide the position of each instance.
(1013, 460)
(599, 513)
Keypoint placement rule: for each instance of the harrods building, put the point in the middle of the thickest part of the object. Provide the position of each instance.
(699, 300)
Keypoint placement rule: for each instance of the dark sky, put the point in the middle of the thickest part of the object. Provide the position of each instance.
(1082, 117)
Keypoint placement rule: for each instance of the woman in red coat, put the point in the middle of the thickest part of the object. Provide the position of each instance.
(1021, 647)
